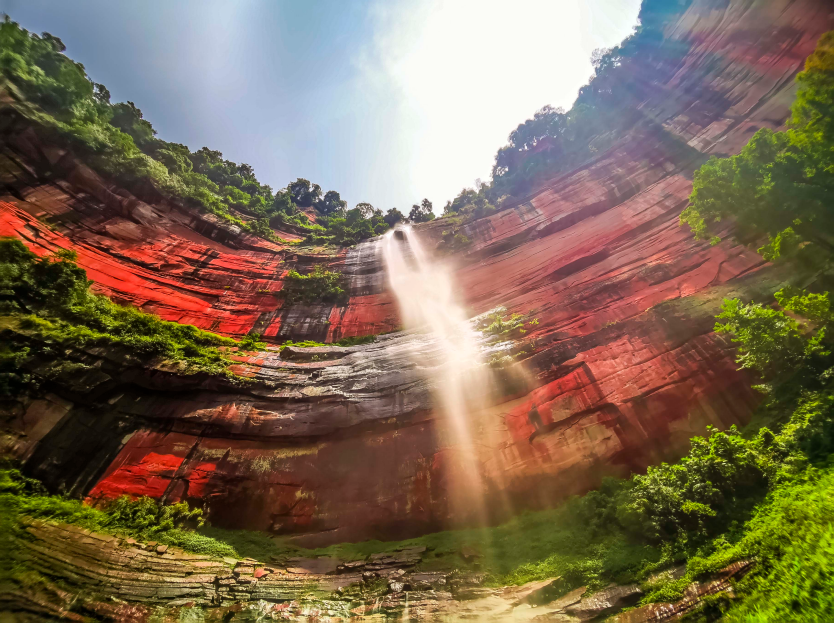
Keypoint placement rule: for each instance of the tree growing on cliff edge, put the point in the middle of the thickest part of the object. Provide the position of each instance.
(781, 185)
(332, 203)
(607, 108)
(49, 298)
(117, 141)
(319, 286)
(393, 216)
(471, 203)
(421, 213)
(366, 209)
(129, 119)
(304, 194)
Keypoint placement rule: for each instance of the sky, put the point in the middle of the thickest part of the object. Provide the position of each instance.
(386, 102)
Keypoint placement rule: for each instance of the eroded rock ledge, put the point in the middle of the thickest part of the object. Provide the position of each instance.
(625, 367)
(82, 574)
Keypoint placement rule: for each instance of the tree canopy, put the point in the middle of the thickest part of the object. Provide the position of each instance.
(422, 212)
(781, 185)
(556, 140)
(393, 216)
(120, 143)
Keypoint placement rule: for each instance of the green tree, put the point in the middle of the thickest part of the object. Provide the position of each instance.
(50, 298)
(770, 341)
(470, 203)
(282, 202)
(122, 145)
(303, 193)
(204, 158)
(246, 172)
(393, 216)
(38, 68)
(693, 498)
(129, 119)
(781, 185)
(176, 158)
(321, 285)
(332, 203)
(366, 209)
(421, 213)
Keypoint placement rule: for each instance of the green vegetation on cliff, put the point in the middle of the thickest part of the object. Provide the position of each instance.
(349, 227)
(143, 518)
(605, 110)
(764, 495)
(319, 286)
(781, 185)
(356, 340)
(118, 142)
(46, 305)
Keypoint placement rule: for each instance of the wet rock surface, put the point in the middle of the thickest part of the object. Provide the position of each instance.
(344, 444)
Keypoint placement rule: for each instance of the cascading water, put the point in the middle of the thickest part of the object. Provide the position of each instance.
(448, 352)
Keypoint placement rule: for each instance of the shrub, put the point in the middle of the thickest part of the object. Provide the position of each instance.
(452, 240)
(779, 186)
(356, 340)
(319, 286)
(143, 518)
(117, 141)
(694, 498)
(495, 323)
(49, 299)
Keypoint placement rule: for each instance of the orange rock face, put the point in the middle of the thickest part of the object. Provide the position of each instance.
(625, 366)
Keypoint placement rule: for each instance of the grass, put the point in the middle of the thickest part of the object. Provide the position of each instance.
(249, 543)
(303, 344)
(787, 527)
(506, 551)
(356, 340)
(792, 538)
(494, 323)
(344, 342)
(46, 307)
(766, 495)
(195, 355)
(142, 519)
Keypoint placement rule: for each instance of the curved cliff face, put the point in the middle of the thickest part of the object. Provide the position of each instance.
(343, 444)
(184, 265)
(627, 367)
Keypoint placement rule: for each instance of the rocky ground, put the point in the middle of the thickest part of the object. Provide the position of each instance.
(76, 575)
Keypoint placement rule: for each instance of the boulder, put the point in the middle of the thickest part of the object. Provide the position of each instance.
(605, 602)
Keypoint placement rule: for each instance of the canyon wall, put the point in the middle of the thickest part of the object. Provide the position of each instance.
(335, 444)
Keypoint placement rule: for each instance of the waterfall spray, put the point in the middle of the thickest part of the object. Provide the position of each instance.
(459, 380)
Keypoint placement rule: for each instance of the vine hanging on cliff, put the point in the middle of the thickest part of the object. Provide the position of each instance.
(320, 286)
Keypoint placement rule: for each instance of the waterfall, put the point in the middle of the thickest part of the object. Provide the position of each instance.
(448, 352)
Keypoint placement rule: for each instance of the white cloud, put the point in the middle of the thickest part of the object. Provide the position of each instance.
(462, 74)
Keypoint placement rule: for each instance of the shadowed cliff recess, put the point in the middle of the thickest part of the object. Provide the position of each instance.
(222, 401)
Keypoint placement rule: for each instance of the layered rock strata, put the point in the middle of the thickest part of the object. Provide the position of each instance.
(344, 444)
(84, 575)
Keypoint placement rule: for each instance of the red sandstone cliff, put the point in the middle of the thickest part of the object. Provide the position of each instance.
(625, 370)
